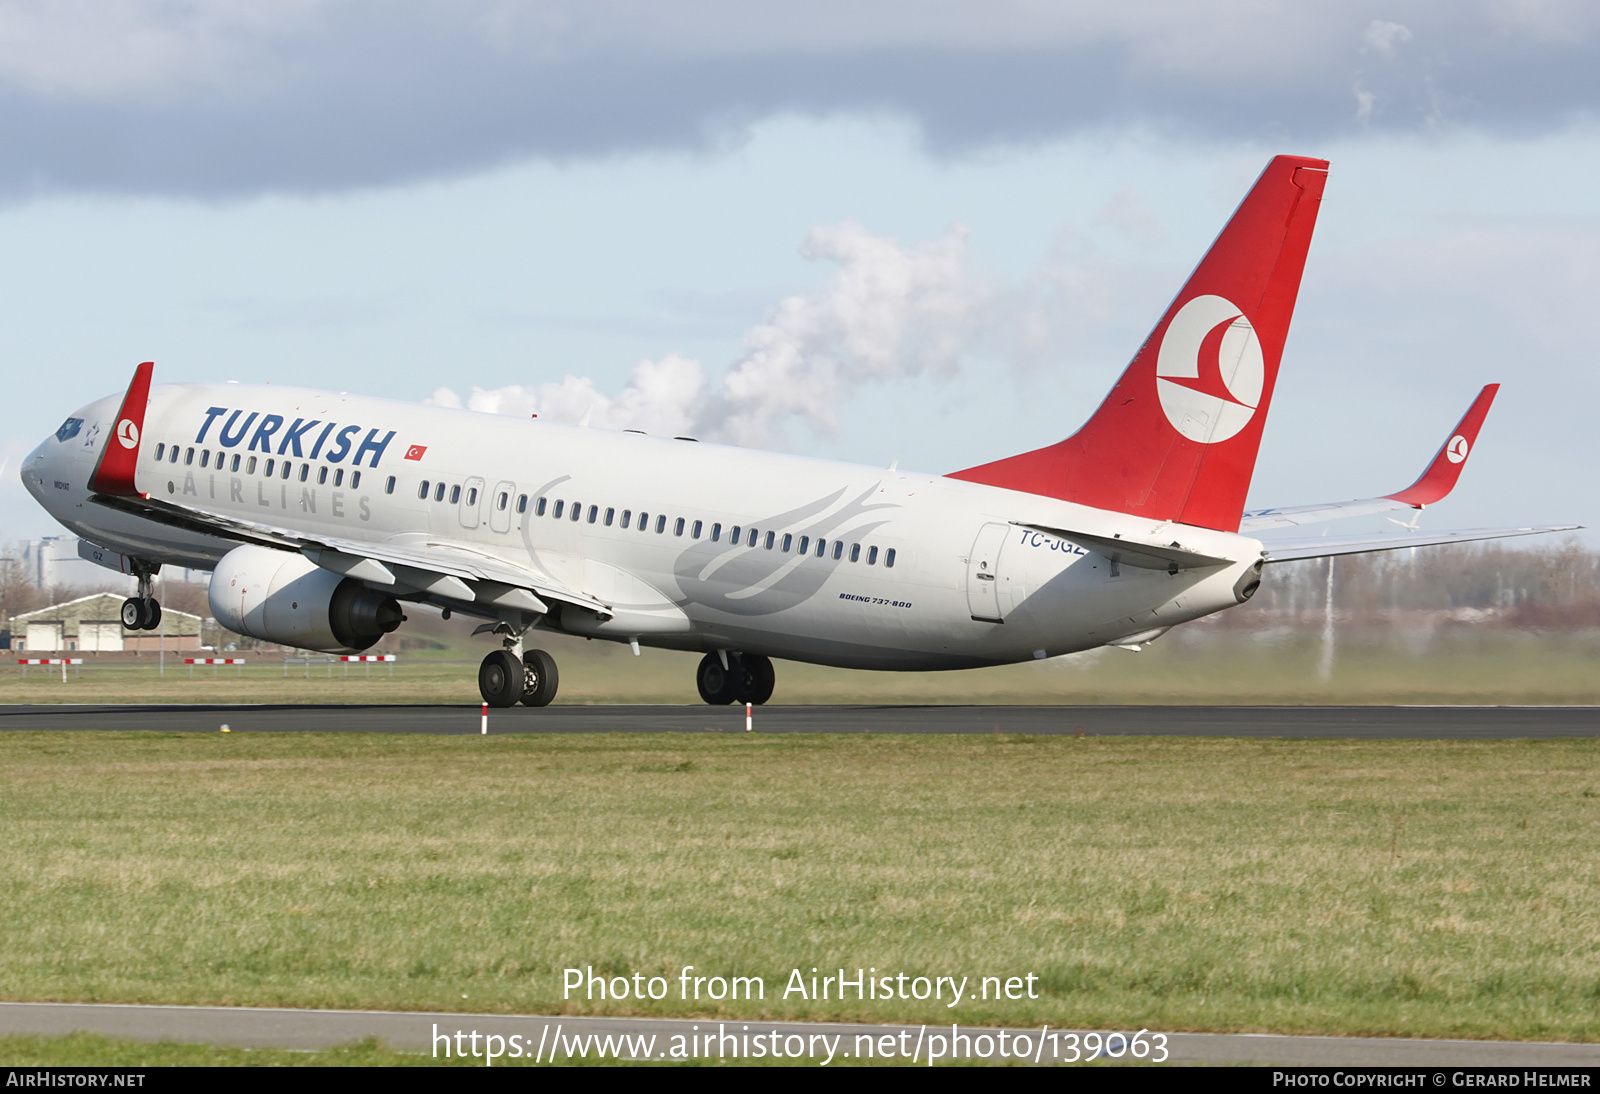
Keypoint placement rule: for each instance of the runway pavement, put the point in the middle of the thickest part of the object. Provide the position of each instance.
(1418, 722)
(263, 1027)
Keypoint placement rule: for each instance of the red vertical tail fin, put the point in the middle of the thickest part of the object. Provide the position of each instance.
(1177, 437)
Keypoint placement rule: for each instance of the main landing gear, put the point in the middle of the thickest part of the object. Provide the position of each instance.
(142, 612)
(745, 678)
(504, 679)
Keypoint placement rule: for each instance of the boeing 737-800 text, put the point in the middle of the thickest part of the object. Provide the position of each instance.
(323, 514)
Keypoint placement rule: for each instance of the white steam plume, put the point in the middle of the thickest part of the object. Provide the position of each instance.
(888, 312)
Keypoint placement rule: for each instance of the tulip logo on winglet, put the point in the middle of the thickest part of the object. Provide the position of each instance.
(127, 433)
(1210, 371)
(1456, 450)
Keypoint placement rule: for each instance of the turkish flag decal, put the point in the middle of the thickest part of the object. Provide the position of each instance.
(415, 451)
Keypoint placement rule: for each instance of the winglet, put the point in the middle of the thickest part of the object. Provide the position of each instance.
(1440, 477)
(114, 473)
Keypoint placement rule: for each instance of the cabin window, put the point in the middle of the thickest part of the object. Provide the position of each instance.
(322, 479)
(423, 493)
(188, 457)
(522, 503)
(205, 457)
(235, 464)
(872, 556)
(788, 542)
(754, 535)
(388, 487)
(438, 492)
(611, 516)
(888, 559)
(716, 532)
(172, 457)
(161, 451)
(694, 532)
(805, 544)
(472, 495)
(771, 539)
(287, 468)
(338, 477)
(594, 513)
(822, 547)
(838, 549)
(355, 480)
(249, 468)
(855, 552)
(644, 522)
(661, 523)
(267, 468)
(305, 472)
(577, 511)
(733, 535)
(502, 501)
(627, 517)
(677, 527)
(455, 495)
(538, 510)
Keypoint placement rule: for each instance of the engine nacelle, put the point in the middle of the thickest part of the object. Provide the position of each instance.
(281, 597)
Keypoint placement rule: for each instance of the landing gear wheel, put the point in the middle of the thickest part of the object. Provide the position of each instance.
(539, 678)
(719, 686)
(759, 679)
(500, 679)
(141, 613)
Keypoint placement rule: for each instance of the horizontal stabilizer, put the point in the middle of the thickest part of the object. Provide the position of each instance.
(1328, 546)
(1171, 557)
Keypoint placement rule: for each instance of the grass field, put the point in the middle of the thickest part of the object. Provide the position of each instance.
(1186, 667)
(1422, 888)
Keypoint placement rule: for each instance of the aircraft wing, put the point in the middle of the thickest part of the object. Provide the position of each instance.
(442, 569)
(1433, 485)
(1327, 546)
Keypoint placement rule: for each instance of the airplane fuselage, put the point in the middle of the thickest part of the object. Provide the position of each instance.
(833, 563)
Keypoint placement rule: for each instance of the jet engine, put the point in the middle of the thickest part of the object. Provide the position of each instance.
(281, 597)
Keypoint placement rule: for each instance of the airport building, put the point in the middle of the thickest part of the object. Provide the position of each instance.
(93, 624)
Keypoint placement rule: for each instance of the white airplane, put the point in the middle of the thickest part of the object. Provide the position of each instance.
(322, 514)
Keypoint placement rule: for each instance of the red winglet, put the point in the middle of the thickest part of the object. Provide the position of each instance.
(1440, 477)
(120, 456)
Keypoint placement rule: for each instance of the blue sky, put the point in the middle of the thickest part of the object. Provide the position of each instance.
(950, 224)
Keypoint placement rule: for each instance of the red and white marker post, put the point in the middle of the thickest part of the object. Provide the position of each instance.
(213, 662)
(483, 726)
(749, 717)
(62, 661)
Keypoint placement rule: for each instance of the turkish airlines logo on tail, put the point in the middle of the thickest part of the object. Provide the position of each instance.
(127, 433)
(1456, 450)
(1209, 372)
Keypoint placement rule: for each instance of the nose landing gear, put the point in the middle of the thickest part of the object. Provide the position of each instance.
(747, 678)
(142, 612)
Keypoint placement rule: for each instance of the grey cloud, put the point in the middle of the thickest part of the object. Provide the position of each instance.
(334, 96)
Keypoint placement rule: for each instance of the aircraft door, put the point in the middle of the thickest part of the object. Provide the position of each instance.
(983, 573)
(500, 503)
(471, 502)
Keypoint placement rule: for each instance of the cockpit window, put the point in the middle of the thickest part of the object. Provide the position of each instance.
(69, 429)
